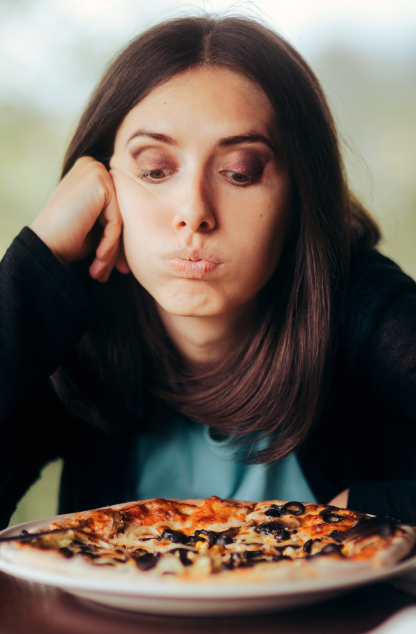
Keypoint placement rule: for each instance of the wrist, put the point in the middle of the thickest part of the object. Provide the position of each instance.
(41, 235)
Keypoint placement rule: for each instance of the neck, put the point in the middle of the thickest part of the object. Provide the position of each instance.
(205, 340)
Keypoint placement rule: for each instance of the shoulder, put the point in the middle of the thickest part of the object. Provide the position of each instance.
(378, 289)
(373, 275)
(375, 281)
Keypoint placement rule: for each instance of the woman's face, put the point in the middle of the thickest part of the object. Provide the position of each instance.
(203, 190)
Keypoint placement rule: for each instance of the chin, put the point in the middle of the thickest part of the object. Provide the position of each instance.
(191, 307)
(190, 311)
(190, 300)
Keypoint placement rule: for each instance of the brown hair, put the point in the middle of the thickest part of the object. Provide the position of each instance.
(276, 380)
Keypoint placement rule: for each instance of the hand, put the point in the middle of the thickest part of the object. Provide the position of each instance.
(341, 500)
(83, 215)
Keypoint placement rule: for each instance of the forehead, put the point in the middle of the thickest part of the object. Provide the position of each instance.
(210, 101)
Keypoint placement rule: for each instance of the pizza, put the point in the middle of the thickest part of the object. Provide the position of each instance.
(213, 539)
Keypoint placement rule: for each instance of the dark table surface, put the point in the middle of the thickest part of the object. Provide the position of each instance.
(28, 608)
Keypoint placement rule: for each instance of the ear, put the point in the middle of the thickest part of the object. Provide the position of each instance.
(121, 262)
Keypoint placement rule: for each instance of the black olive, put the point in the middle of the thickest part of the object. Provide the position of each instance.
(292, 508)
(88, 549)
(282, 535)
(294, 531)
(212, 536)
(279, 557)
(332, 518)
(148, 561)
(272, 512)
(339, 536)
(223, 540)
(233, 562)
(271, 528)
(328, 509)
(68, 554)
(307, 546)
(260, 561)
(24, 532)
(252, 554)
(90, 555)
(183, 556)
(175, 537)
(331, 548)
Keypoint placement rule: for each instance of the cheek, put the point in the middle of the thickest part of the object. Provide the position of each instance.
(258, 226)
(143, 220)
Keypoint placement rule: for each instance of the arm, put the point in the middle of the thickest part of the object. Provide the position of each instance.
(365, 441)
(382, 358)
(43, 313)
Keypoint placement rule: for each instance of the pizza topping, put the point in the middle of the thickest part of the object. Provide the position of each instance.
(66, 552)
(147, 561)
(338, 536)
(224, 540)
(174, 536)
(183, 555)
(273, 511)
(332, 518)
(308, 545)
(232, 561)
(273, 528)
(331, 549)
(328, 509)
(118, 523)
(252, 554)
(212, 536)
(292, 508)
(169, 537)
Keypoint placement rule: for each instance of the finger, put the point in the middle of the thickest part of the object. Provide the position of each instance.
(105, 274)
(111, 219)
(99, 267)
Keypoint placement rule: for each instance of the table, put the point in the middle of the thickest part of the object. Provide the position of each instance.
(26, 608)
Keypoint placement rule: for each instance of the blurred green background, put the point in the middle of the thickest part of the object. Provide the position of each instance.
(53, 52)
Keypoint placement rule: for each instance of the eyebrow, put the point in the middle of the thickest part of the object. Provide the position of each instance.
(251, 137)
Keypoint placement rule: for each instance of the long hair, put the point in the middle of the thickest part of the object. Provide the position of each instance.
(276, 380)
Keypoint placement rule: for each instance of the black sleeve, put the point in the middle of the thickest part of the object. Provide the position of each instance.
(44, 310)
(396, 498)
(381, 354)
(381, 332)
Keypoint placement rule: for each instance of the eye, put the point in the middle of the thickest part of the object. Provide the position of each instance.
(155, 176)
(237, 178)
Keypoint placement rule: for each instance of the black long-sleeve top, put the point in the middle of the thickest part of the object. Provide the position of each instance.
(365, 439)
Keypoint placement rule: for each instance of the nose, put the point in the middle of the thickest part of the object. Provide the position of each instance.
(195, 207)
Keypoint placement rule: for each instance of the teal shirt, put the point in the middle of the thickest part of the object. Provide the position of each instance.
(183, 461)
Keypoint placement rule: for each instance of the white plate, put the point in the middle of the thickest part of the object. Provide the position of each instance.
(166, 596)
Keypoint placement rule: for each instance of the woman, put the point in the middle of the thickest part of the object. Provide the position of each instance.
(246, 340)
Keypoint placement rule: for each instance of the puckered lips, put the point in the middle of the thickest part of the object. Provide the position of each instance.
(192, 263)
